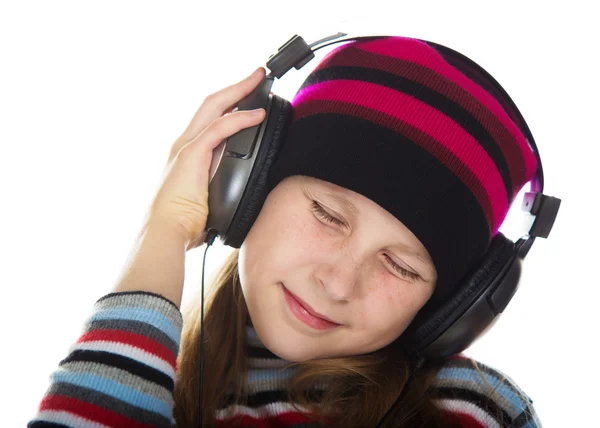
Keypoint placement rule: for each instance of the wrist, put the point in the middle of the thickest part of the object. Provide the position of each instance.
(156, 262)
(165, 230)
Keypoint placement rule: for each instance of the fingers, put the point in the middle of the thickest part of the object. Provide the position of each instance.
(200, 149)
(217, 103)
(225, 126)
(225, 98)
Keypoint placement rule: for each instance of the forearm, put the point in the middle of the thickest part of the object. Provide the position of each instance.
(156, 263)
(122, 369)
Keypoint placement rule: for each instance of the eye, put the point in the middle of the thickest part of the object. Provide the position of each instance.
(405, 273)
(318, 209)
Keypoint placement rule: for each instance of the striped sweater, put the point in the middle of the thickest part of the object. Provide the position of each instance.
(121, 373)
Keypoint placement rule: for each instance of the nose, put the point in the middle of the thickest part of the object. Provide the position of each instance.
(339, 277)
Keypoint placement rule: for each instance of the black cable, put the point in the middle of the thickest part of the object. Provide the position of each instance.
(411, 377)
(210, 237)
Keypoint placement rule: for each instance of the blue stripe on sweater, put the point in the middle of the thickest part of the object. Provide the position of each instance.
(531, 424)
(114, 389)
(259, 375)
(470, 374)
(149, 316)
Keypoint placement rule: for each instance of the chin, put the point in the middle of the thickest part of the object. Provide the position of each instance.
(291, 356)
(288, 349)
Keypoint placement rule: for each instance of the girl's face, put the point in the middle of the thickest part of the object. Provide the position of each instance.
(353, 263)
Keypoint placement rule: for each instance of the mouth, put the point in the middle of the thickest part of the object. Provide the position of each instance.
(305, 313)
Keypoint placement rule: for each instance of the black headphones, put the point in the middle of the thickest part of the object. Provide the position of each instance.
(238, 189)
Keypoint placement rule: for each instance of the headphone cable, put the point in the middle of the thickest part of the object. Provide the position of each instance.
(210, 237)
(420, 362)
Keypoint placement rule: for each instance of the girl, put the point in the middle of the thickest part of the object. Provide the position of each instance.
(396, 172)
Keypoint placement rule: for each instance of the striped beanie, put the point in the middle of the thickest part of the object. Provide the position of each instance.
(391, 119)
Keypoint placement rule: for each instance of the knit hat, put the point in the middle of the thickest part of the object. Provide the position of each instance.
(391, 119)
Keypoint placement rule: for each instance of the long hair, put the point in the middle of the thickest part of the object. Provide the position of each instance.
(360, 389)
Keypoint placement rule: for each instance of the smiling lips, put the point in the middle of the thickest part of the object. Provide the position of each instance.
(306, 314)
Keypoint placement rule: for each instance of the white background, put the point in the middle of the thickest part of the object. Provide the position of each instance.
(92, 95)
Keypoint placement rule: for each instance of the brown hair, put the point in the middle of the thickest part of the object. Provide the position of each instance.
(360, 388)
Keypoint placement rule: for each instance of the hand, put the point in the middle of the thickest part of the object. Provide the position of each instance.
(182, 199)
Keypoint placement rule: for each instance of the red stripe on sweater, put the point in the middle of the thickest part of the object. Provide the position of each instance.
(88, 411)
(458, 357)
(286, 419)
(282, 420)
(463, 419)
(132, 339)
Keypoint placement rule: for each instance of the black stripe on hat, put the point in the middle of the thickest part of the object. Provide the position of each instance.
(433, 146)
(357, 57)
(428, 96)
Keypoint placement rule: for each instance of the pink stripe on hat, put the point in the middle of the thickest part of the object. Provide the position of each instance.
(420, 53)
(423, 117)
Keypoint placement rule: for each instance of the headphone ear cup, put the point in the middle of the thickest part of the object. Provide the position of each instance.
(255, 191)
(472, 308)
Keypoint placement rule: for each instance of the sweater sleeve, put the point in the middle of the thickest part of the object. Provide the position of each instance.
(121, 371)
(475, 395)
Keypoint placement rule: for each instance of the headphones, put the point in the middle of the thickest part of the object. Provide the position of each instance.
(238, 189)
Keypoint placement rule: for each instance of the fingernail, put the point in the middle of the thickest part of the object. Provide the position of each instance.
(257, 112)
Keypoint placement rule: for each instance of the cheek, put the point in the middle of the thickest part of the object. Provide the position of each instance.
(302, 238)
(390, 304)
(279, 239)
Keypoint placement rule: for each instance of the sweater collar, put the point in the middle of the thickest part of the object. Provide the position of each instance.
(260, 357)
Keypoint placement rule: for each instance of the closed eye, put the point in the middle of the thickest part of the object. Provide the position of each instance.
(401, 270)
(318, 209)
(325, 215)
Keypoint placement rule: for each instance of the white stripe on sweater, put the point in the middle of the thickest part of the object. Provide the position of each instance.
(66, 418)
(461, 406)
(271, 409)
(129, 351)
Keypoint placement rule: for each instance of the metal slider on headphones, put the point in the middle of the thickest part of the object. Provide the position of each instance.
(295, 53)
